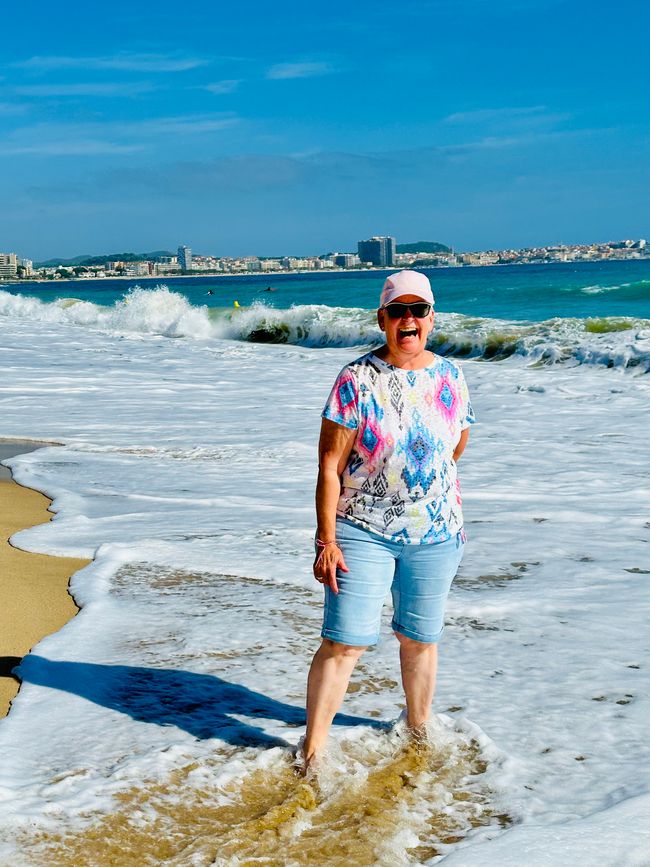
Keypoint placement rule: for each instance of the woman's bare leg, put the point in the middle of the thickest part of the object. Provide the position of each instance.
(328, 680)
(419, 663)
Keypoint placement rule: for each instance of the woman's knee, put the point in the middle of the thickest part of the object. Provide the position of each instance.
(412, 643)
(335, 650)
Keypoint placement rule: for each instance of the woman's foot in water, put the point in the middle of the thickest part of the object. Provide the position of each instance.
(305, 766)
(418, 733)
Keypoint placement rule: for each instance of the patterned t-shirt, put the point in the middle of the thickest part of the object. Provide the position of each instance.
(400, 480)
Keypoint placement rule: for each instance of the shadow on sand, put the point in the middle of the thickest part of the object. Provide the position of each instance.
(201, 704)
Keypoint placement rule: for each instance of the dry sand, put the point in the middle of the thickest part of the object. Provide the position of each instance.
(34, 598)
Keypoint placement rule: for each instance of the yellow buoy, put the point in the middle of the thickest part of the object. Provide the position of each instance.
(236, 304)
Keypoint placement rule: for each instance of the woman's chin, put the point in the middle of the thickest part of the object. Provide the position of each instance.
(410, 344)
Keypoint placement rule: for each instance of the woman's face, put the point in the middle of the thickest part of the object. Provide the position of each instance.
(406, 335)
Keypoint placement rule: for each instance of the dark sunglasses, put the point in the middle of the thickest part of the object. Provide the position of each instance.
(419, 309)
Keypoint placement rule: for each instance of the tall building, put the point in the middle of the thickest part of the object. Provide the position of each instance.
(8, 265)
(345, 260)
(391, 250)
(380, 250)
(185, 258)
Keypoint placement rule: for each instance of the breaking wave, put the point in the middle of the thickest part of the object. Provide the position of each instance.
(621, 342)
(624, 291)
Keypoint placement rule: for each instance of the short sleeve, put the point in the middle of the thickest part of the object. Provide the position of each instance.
(466, 413)
(342, 406)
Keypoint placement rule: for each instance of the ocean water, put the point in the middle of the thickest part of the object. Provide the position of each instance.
(514, 292)
(157, 726)
(578, 312)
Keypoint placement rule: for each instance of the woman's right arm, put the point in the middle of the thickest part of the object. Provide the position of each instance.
(334, 449)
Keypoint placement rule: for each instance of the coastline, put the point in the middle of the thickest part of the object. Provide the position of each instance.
(33, 587)
(303, 271)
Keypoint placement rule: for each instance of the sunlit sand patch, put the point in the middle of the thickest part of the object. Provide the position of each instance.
(379, 799)
(628, 698)
(522, 566)
(305, 626)
(175, 582)
(493, 579)
(219, 593)
(233, 591)
(365, 682)
(165, 578)
(478, 625)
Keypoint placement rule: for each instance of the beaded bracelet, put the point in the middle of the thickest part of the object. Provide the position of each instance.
(321, 544)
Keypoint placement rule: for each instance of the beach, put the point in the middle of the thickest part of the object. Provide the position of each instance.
(35, 600)
(159, 722)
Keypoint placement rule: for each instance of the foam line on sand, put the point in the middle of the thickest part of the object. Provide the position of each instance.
(34, 595)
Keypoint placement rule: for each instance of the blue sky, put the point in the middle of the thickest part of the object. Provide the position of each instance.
(269, 128)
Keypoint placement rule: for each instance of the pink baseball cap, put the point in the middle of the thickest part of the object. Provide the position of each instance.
(406, 283)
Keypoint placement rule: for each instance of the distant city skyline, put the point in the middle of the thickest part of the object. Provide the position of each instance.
(253, 130)
(377, 252)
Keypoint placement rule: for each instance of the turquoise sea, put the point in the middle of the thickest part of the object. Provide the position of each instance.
(521, 292)
(583, 312)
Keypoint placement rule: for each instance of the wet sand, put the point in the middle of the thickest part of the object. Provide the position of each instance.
(34, 598)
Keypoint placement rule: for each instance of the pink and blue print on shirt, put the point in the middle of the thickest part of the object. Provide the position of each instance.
(342, 402)
(400, 480)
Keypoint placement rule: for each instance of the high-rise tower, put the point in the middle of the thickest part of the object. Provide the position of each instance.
(185, 258)
(380, 250)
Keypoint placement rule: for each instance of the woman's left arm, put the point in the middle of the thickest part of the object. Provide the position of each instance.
(460, 445)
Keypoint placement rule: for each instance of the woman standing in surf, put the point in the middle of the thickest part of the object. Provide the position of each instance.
(388, 506)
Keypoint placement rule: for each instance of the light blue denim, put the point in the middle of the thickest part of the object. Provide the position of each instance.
(418, 576)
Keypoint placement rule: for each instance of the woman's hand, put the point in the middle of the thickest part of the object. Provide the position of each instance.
(334, 448)
(328, 560)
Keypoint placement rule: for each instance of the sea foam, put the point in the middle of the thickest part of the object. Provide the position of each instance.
(613, 341)
(170, 705)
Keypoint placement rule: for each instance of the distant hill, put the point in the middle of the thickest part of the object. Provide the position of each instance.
(102, 260)
(423, 247)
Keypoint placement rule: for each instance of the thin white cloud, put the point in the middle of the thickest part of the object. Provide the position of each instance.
(482, 115)
(84, 89)
(299, 70)
(500, 126)
(110, 137)
(123, 61)
(181, 124)
(184, 124)
(227, 85)
(69, 148)
(490, 142)
(495, 142)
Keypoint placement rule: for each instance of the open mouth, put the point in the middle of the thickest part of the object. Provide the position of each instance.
(408, 332)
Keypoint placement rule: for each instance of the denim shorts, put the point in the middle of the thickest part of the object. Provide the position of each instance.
(418, 576)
